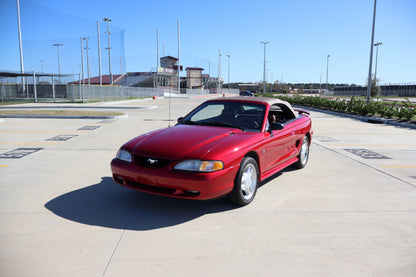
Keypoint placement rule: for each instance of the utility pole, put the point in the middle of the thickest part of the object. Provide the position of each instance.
(264, 69)
(108, 20)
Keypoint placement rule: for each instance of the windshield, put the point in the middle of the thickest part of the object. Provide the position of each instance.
(242, 115)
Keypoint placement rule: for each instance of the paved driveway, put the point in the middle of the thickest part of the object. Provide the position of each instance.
(350, 212)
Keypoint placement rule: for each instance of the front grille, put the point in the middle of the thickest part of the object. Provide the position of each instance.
(150, 162)
(162, 190)
(149, 188)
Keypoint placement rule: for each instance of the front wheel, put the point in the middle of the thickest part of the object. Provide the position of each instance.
(303, 154)
(246, 181)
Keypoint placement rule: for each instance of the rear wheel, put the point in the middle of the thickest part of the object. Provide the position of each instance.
(246, 181)
(303, 154)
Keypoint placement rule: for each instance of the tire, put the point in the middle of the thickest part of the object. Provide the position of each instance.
(246, 182)
(303, 156)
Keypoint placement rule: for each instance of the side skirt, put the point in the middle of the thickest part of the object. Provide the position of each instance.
(281, 166)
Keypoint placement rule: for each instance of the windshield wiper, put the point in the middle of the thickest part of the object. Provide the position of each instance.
(188, 122)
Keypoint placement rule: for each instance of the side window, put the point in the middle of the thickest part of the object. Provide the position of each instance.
(280, 113)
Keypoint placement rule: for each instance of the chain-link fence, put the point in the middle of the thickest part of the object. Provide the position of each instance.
(388, 90)
(89, 93)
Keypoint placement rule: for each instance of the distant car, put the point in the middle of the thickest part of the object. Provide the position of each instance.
(225, 146)
(246, 93)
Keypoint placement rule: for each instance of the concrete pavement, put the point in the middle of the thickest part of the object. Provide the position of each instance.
(350, 212)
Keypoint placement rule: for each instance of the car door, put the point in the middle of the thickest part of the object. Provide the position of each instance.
(279, 145)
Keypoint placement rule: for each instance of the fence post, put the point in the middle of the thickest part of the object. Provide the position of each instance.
(53, 88)
(2, 89)
(35, 94)
(79, 86)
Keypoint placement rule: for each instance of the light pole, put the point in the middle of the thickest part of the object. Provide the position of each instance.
(264, 70)
(375, 71)
(22, 70)
(179, 58)
(82, 61)
(99, 53)
(327, 69)
(228, 73)
(88, 59)
(41, 68)
(371, 54)
(59, 65)
(108, 20)
(219, 70)
(157, 48)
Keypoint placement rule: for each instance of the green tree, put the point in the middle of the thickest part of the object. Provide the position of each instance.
(375, 88)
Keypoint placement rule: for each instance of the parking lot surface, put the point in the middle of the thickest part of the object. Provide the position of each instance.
(350, 212)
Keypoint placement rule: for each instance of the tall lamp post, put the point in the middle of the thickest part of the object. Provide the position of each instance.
(264, 69)
(327, 69)
(22, 70)
(228, 72)
(375, 70)
(371, 53)
(219, 70)
(108, 20)
(59, 65)
(88, 60)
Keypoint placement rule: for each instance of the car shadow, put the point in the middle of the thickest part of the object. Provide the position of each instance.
(108, 205)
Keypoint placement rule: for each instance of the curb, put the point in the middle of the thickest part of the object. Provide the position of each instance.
(63, 116)
(368, 119)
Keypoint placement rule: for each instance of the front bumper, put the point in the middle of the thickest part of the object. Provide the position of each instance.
(174, 183)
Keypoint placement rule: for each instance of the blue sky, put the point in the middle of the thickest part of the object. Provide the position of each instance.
(301, 34)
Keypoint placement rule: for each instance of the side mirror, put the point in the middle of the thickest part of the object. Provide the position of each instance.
(276, 126)
(180, 119)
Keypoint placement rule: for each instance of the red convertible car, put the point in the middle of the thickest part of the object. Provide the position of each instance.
(225, 146)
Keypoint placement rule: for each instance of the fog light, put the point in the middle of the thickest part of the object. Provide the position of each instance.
(118, 179)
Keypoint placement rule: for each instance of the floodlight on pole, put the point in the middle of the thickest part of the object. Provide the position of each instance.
(22, 70)
(59, 65)
(327, 69)
(228, 72)
(108, 20)
(157, 50)
(219, 70)
(82, 61)
(88, 60)
(179, 58)
(371, 54)
(99, 53)
(264, 70)
(375, 70)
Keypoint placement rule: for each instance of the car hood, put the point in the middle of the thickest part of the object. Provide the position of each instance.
(181, 141)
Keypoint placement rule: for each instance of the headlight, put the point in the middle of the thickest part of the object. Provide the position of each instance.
(199, 166)
(124, 155)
